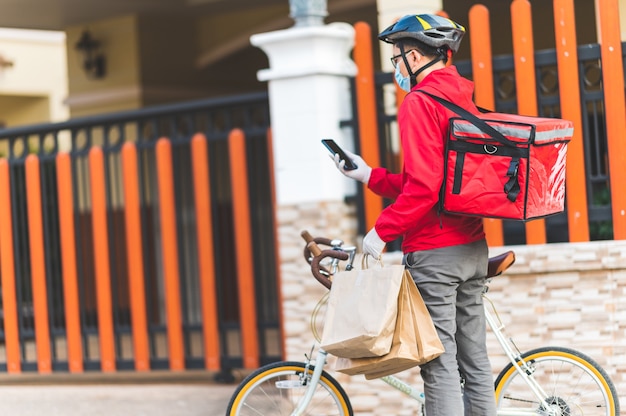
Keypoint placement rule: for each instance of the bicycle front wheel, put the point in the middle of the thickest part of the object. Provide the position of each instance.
(574, 383)
(276, 389)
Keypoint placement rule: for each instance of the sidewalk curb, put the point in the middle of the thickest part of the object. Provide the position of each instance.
(122, 377)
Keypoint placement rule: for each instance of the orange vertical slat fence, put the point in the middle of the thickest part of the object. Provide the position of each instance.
(400, 95)
(169, 240)
(68, 256)
(614, 108)
(525, 81)
(38, 264)
(206, 264)
(482, 71)
(7, 265)
(569, 93)
(101, 260)
(134, 249)
(243, 248)
(367, 115)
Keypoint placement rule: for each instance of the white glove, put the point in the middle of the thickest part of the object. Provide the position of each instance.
(361, 173)
(373, 245)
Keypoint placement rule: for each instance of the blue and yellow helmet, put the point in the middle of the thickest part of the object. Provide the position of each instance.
(433, 30)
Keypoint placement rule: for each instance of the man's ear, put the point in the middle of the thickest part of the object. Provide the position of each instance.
(418, 58)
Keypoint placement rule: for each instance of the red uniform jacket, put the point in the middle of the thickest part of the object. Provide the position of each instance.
(414, 214)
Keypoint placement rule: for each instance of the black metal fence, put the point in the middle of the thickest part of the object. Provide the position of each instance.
(179, 122)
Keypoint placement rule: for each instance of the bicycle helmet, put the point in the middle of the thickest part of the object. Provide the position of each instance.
(433, 30)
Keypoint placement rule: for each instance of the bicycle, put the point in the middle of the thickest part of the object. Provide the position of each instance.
(551, 381)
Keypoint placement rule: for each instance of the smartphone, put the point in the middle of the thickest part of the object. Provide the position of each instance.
(335, 149)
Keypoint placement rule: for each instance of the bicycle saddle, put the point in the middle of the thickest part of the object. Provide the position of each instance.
(500, 263)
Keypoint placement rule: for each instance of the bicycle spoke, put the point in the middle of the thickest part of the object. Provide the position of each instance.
(574, 384)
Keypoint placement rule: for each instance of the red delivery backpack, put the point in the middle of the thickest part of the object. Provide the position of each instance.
(504, 165)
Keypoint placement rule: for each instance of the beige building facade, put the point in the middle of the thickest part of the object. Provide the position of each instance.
(33, 77)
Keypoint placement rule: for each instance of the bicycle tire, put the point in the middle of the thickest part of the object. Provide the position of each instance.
(259, 394)
(573, 381)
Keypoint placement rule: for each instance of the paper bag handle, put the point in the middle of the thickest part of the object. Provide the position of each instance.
(365, 261)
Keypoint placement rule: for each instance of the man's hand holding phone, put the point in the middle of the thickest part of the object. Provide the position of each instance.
(356, 167)
(334, 149)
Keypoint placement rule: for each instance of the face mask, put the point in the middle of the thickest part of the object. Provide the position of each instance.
(403, 82)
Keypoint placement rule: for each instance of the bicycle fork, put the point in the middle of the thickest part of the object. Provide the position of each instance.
(311, 382)
(521, 366)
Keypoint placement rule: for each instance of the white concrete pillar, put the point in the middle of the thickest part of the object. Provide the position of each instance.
(309, 95)
(390, 11)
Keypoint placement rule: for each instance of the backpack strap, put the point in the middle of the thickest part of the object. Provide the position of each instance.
(512, 187)
(466, 115)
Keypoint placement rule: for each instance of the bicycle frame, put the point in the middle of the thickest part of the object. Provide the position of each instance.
(320, 362)
(514, 356)
(507, 345)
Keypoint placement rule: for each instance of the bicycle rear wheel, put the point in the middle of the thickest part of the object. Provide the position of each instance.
(575, 385)
(276, 389)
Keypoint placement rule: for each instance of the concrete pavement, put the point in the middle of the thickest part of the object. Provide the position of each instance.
(161, 394)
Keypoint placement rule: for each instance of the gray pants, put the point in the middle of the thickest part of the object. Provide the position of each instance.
(451, 281)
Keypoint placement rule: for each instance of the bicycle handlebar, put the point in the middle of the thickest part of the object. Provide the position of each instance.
(314, 254)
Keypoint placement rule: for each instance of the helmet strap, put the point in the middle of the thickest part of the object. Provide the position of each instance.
(406, 62)
(419, 71)
(441, 56)
(412, 76)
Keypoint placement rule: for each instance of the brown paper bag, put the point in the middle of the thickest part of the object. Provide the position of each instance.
(361, 312)
(415, 339)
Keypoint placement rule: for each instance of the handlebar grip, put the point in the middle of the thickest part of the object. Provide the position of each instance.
(307, 237)
(311, 245)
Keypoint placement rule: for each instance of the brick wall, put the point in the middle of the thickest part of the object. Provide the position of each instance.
(570, 295)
